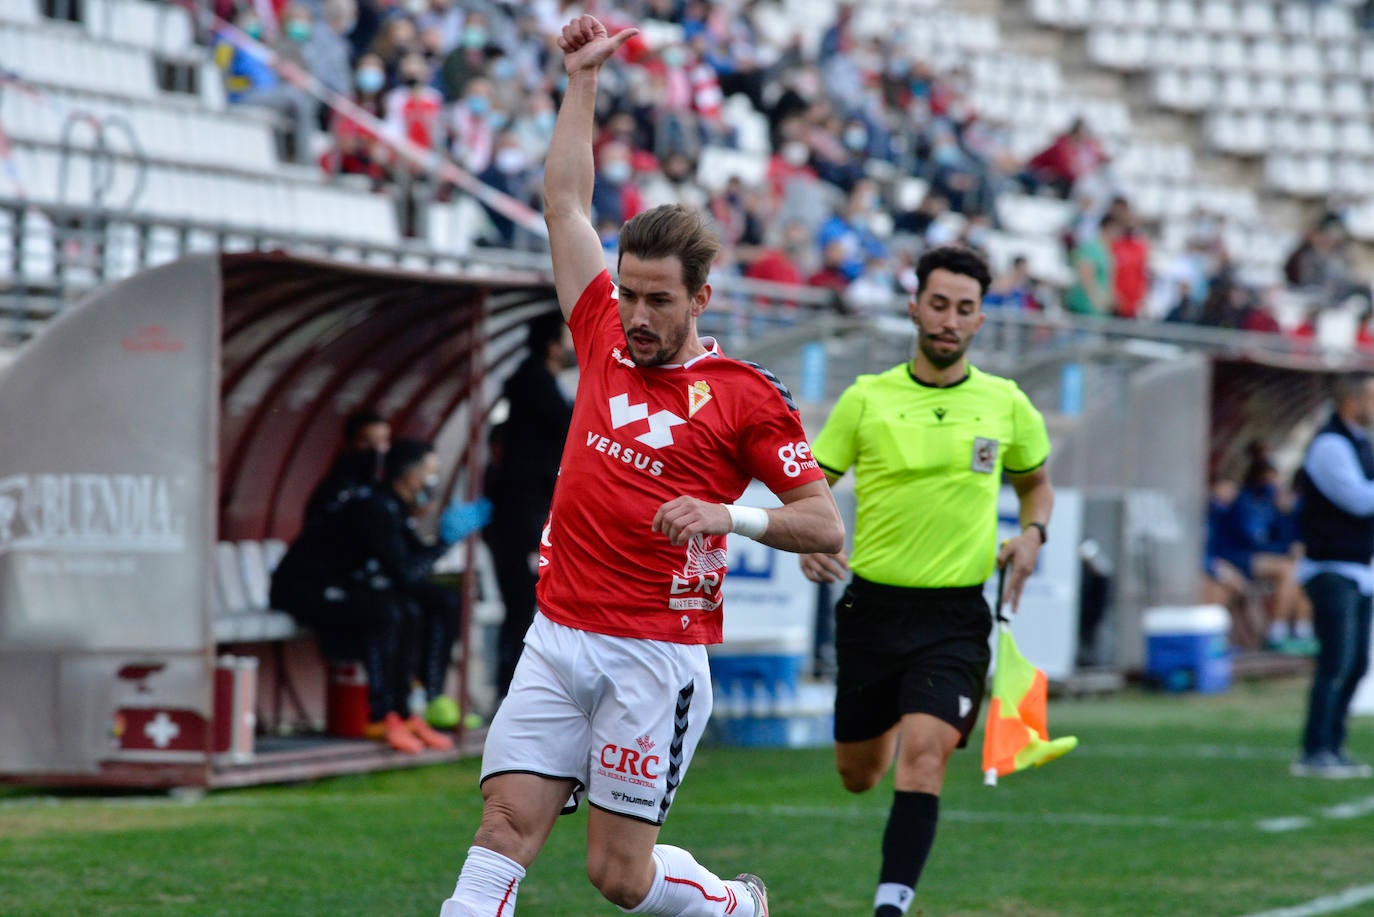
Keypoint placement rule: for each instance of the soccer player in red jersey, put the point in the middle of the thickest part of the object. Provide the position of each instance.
(613, 690)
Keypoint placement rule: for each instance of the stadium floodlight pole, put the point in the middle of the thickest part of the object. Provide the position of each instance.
(432, 163)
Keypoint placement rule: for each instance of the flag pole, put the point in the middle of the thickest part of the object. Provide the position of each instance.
(1000, 620)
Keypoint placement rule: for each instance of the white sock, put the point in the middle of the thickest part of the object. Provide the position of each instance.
(486, 886)
(1303, 630)
(894, 894)
(1278, 631)
(684, 888)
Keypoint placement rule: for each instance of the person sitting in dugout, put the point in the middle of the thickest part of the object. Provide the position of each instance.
(359, 576)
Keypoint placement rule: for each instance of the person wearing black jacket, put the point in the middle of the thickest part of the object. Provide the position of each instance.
(526, 450)
(359, 576)
(1336, 527)
(367, 436)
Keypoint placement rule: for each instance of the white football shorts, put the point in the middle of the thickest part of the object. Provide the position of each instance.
(619, 715)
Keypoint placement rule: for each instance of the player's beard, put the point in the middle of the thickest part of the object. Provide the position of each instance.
(669, 345)
(940, 359)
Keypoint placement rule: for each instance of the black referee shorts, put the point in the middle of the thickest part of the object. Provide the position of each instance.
(903, 650)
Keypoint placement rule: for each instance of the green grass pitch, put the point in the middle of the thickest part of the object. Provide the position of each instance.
(1172, 805)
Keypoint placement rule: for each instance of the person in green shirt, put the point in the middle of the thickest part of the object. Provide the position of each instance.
(929, 441)
(1093, 290)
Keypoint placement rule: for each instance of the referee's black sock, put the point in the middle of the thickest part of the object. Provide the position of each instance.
(907, 841)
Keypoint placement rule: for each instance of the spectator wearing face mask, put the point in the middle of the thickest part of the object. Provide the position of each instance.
(511, 172)
(357, 148)
(414, 110)
(614, 195)
(325, 48)
(474, 124)
(791, 163)
(957, 176)
(839, 151)
(851, 230)
(250, 80)
(468, 60)
(533, 127)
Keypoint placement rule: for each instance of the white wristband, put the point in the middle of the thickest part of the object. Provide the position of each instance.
(749, 521)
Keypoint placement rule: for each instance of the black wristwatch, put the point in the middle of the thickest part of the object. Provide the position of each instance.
(1044, 535)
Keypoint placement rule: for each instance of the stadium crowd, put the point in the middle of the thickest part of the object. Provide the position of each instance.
(849, 123)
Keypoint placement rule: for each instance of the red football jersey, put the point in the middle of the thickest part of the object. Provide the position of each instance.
(639, 438)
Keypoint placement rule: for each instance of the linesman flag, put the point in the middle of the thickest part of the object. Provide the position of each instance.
(1016, 735)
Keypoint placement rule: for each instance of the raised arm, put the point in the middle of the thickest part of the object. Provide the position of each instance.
(568, 168)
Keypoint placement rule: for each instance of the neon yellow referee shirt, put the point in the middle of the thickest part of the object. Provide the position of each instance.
(928, 466)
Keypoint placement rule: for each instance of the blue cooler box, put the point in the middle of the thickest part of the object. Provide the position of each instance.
(760, 702)
(1187, 648)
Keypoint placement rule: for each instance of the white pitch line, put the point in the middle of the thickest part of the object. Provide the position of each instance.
(1327, 904)
(1286, 823)
(962, 815)
(1206, 752)
(1355, 808)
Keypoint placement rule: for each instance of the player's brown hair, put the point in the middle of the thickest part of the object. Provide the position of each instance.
(673, 231)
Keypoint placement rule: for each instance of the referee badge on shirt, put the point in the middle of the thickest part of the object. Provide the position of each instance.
(984, 455)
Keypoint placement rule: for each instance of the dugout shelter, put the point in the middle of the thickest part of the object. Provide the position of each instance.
(160, 440)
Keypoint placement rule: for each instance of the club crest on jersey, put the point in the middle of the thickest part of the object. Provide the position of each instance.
(698, 393)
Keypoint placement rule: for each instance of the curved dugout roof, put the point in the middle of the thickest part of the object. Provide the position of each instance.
(305, 343)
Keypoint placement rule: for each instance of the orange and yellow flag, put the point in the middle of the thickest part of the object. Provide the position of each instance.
(1016, 735)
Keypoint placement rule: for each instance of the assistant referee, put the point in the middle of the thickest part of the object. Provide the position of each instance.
(928, 441)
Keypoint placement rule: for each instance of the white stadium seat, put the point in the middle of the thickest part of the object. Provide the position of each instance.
(1145, 14)
(1029, 215)
(1331, 20)
(256, 576)
(1355, 137)
(22, 11)
(1256, 18)
(228, 579)
(1179, 15)
(1218, 16)
(717, 164)
(1296, 18)
(1348, 97)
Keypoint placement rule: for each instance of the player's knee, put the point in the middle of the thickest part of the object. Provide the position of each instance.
(923, 770)
(859, 778)
(619, 885)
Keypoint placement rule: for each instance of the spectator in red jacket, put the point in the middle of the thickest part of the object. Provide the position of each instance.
(1073, 154)
(1131, 263)
(783, 263)
(357, 148)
